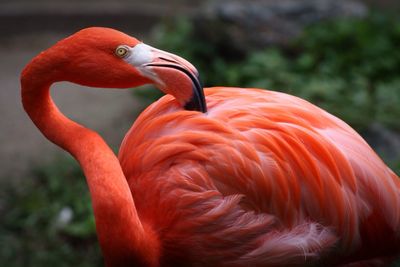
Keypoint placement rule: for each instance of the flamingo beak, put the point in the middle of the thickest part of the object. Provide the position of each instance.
(172, 74)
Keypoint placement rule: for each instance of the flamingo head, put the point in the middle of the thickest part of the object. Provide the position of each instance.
(107, 58)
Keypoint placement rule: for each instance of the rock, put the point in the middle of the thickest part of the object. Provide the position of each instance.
(260, 23)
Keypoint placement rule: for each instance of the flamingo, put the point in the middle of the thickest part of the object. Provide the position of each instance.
(225, 177)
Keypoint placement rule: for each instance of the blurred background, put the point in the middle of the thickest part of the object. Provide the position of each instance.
(343, 56)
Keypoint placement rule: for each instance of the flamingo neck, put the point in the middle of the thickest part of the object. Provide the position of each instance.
(124, 240)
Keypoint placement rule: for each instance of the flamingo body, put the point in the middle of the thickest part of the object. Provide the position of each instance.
(241, 177)
(264, 178)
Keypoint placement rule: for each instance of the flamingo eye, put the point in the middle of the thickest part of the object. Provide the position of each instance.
(122, 51)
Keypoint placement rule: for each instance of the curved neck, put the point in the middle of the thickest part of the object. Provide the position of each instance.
(124, 240)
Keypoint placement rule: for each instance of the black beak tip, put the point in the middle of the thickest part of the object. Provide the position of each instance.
(198, 101)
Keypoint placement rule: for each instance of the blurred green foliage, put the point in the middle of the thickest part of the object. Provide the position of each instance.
(47, 219)
(349, 67)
